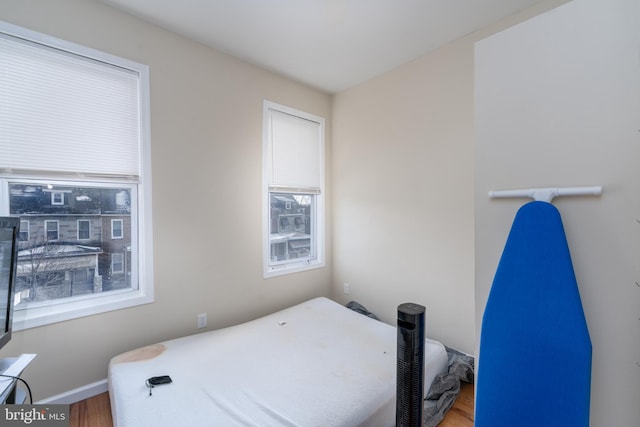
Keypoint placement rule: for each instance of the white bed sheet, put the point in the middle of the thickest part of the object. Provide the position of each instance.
(314, 364)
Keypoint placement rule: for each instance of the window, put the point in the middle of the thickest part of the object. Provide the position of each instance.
(80, 276)
(116, 229)
(57, 198)
(74, 137)
(117, 263)
(293, 215)
(51, 230)
(24, 231)
(84, 229)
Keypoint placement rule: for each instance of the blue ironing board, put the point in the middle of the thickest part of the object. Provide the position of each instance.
(534, 365)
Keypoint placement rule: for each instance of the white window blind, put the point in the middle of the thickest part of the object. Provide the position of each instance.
(66, 113)
(296, 151)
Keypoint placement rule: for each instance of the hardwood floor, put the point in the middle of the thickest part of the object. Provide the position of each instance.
(96, 411)
(461, 414)
(93, 412)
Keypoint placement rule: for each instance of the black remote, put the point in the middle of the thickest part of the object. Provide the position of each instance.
(163, 379)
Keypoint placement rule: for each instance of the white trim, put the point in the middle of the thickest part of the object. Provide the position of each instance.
(33, 317)
(121, 236)
(77, 394)
(97, 55)
(54, 202)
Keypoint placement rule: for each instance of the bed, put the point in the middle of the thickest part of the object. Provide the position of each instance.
(317, 363)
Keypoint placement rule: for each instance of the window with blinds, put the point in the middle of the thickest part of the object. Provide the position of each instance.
(74, 159)
(293, 190)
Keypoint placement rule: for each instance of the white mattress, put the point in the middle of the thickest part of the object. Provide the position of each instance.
(314, 364)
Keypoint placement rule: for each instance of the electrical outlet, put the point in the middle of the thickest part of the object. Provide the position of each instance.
(202, 320)
(346, 288)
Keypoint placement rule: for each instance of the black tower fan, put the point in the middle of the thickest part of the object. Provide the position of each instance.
(410, 366)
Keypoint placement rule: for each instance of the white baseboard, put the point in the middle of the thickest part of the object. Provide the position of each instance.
(78, 394)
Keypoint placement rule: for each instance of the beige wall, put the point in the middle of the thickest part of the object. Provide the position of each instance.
(403, 174)
(206, 123)
(403, 193)
(557, 105)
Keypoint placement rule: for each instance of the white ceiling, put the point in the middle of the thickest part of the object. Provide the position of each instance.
(329, 44)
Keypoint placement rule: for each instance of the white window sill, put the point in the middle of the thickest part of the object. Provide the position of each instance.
(40, 315)
(280, 270)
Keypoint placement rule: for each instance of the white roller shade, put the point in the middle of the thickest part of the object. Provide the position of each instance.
(66, 113)
(296, 145)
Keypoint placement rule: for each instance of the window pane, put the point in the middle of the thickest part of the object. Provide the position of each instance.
(52, 261)
(291, 227)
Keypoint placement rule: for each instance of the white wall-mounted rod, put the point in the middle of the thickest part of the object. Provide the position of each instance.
(547, 194)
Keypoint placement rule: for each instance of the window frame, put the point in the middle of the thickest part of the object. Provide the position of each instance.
(121, 228)
(46, 229)
(317, 260)
(24, 230)
(88, 230)
(80, 306)
(114, 262)
(54, 198)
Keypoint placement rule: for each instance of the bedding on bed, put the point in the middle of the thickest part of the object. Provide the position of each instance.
(314, 364)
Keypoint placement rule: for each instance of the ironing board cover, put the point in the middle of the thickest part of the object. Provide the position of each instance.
(535, 351)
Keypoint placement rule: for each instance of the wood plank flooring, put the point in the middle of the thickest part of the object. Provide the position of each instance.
(92, 412)
(461, 414)
(96, 411)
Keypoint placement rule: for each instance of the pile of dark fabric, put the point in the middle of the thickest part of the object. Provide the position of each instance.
(359, 308)
(445, 387)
